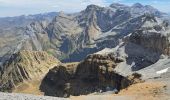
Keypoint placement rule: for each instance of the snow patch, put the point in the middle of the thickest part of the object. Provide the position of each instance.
(162, 71)
(105, 51)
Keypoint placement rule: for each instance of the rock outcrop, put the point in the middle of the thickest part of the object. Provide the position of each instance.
(23, 66)
(145, 45)
(153, 35)
(94, 74)
(99, 68)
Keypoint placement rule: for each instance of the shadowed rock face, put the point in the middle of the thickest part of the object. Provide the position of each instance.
(94, 74)
(146, 44)
(153, 41)
(23, 66)
(152, 35)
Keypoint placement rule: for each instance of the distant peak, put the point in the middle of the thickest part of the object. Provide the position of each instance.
(149, 7)
(92, 6)
(138, 5)
(61, 14)
(117, 5)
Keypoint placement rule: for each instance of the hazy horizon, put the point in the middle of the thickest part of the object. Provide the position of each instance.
(10, 8)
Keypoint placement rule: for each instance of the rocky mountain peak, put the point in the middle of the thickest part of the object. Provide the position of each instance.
(118, 6)
(139, 9)
(67, 34)
(137, 5)
(92, 7)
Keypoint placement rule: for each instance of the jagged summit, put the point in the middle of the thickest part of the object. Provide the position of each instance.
(92, 6)
(118, 6)
(138, 8)
(137, 5)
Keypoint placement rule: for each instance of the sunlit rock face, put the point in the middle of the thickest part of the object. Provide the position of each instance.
(24, 66)
(66, 35)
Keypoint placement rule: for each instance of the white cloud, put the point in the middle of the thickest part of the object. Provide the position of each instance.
(40, 6)
(38, 3)
(76, 5)
(18, 7)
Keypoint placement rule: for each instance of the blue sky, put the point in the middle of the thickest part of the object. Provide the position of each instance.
(21, 7)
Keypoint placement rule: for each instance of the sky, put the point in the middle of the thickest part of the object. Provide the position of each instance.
(26, 7)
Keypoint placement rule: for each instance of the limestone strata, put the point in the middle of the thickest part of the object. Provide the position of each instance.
(25, 65)
(94, 74)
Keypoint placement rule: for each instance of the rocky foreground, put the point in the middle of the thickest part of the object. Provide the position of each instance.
(14, 96)
(91, 78)
(149, 90)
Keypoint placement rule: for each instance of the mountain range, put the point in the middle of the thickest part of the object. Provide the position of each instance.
(109, 44)
(66, 35)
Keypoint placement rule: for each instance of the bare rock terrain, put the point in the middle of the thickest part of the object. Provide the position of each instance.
(14, 96)
(122, 53)
(24, 66)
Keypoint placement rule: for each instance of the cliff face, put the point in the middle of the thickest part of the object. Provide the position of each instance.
(153, 34)
(97, 67)
(25, 65)
(94, 74)
(144, 46)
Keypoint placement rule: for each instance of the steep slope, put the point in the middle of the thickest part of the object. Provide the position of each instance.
(24, 66)
(13, 32)
(91, 30)
(94, 74)
(142, 47)
(9, 42)
(80, 34)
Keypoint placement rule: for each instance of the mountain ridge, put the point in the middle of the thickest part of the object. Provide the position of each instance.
(114, 47)
(68, 34)
(25, 66)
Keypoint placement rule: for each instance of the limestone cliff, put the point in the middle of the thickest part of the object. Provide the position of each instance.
(94, 74)
(153, 35)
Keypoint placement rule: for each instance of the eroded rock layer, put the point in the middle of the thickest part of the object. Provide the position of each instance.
(94, 74)
(25, 65)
